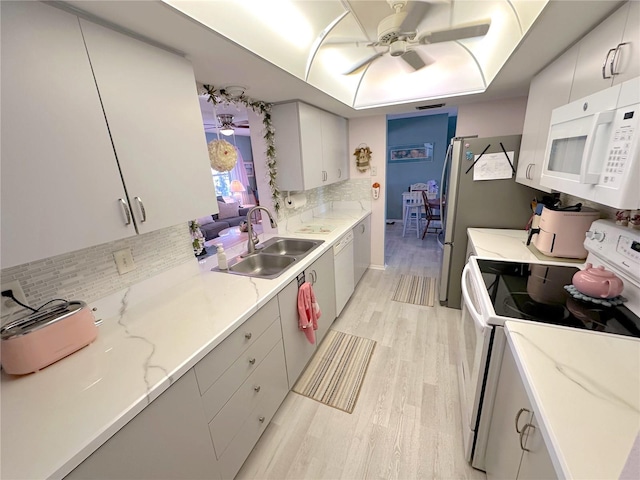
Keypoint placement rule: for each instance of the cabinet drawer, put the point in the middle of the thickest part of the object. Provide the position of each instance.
(266, 384)
(248, 362)
(209, 369)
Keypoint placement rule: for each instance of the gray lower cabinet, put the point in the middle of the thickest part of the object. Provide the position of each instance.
(169, 439)
(515, 448)
(298, 351)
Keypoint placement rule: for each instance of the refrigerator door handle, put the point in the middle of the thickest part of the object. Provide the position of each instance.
(447, 158)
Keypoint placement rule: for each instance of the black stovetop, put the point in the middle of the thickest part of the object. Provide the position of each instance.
(535, 292)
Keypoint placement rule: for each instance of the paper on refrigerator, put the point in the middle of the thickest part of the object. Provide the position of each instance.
(493, 166)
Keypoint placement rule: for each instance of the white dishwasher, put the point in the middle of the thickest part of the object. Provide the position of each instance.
(343, 263)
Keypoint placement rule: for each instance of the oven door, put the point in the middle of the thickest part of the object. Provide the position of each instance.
(475, 340)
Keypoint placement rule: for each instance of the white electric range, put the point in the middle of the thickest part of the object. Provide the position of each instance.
(495, 291)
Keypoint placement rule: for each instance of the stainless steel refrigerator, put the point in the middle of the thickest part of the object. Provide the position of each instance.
(491, 203)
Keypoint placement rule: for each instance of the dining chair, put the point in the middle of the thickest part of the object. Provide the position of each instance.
(413, 208)
(432, 216)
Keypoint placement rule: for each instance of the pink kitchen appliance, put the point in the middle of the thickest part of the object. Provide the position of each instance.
(41, 338)
(561, 232)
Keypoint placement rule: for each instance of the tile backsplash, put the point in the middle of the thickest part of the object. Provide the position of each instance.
(349, 190)
(91, 274)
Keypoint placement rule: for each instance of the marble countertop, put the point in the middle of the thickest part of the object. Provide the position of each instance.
(585, 388)
(509, 245)
(151, 335)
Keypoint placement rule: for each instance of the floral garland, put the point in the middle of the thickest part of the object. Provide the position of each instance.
(261, 108)
(197, 238)
(222, 155)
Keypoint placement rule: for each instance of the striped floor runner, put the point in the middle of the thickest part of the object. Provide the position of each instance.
(336, 372)
(416, 289)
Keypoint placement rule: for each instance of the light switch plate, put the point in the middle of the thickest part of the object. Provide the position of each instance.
(124, 261)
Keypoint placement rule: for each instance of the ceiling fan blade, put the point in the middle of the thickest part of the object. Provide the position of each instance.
(363, 63)
(470, 30)
(413, 59)
(415, 13)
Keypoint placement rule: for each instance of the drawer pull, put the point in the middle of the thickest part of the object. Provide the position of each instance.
(520, 412)
(256, 388)
(247, 336)
(261, 419)
(252, 361)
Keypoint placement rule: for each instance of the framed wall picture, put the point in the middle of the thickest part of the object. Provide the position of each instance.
(249, 168)
(420, 152)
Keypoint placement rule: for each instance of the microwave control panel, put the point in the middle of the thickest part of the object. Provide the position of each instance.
(618, 155)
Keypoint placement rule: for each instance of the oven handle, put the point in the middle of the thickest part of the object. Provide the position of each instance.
(467, 298)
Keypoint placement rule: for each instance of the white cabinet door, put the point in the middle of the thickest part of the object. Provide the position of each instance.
(627, 65)
(297, 349)
(334, 148)
(549, 89)
(595, 50)
(362, 248)
(311, 147)
(169, 439)
(61, 188)
(321, 275)
(511, 412)
(151, 106)
(536, 462)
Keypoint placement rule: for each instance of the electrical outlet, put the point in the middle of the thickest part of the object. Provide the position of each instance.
(8, 305)
(124, 261)
(374, 171)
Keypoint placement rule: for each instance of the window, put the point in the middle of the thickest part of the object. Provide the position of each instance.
(222, 182)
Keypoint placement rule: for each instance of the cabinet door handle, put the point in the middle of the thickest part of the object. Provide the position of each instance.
(612, 65)
(604, 65)
(261, 419)
(256, 388)
(339, 173)
(520, 412)
(528, 173)
(127, 213)
(142, 210)
(252, 361)
(248, 336)
(524, 429)
(362, 228)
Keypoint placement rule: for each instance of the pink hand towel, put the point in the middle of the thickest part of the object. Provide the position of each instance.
(308, 311)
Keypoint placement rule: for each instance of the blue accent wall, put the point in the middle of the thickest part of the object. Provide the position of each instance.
(436, 129)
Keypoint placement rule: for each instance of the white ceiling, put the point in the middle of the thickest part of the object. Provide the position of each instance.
(219, 61)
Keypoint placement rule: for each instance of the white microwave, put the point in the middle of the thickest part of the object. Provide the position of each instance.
(592, 147)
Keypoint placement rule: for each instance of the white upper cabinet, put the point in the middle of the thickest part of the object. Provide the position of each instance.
(609, 54)
(75, 175)
(151, 106)
(312, 146)
(61, 188)
(549, 89)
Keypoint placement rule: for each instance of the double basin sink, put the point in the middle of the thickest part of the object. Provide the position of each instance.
(275, 257)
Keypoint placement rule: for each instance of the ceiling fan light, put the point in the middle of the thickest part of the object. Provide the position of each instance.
(227, 131)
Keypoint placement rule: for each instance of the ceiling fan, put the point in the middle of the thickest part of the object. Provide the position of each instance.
(398, 32)
(226, 125)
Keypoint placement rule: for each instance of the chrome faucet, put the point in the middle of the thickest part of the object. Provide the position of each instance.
(253, 237)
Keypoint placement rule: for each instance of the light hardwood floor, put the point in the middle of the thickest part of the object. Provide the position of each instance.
(406, 423)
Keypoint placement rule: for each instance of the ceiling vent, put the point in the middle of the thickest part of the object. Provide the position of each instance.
(428, 107)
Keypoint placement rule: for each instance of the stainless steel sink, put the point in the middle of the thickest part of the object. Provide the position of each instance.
(290, 246)
(264, 266)
(275, 257)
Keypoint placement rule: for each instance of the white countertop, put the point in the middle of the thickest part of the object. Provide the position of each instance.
(53, 419)
(509, 245)
(586, 388)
